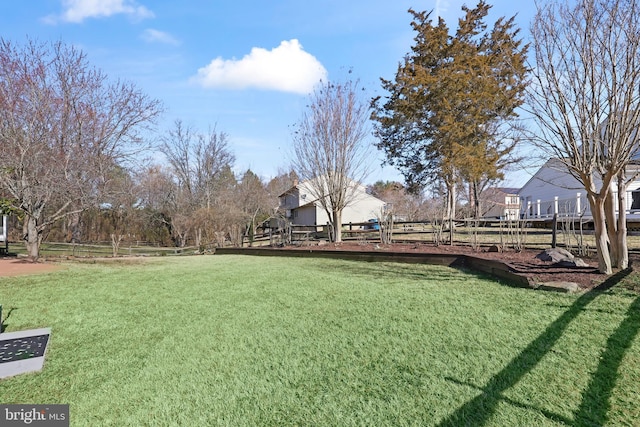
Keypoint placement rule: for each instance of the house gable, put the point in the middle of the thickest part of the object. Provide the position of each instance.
(305, 209)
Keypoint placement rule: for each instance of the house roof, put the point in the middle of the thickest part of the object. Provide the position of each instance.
(296, 187)
(552, 163)
(509, 190)
(299, 185)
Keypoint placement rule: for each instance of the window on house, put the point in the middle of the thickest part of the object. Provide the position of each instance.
(635, 199)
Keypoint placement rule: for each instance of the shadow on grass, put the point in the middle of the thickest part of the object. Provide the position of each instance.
(3, 324)
(596, 399)
(478, 410)
(393, 270)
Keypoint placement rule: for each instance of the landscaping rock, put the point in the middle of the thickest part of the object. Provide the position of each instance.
(559, 286)
(555, 255)
(576, 262)
(494, 248)
(561, 258)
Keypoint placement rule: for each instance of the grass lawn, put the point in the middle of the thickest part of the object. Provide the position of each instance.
(240, 340)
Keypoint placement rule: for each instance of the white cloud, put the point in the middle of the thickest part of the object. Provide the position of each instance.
(286, 68)
(76, 11)
(150, 35)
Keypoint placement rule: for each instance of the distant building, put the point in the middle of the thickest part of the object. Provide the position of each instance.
(500, 203)
(553, 190)
(300, 207)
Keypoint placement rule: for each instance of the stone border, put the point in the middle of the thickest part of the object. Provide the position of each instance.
(494, 268)
(31, 364)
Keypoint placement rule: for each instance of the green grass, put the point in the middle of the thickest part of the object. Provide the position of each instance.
(233, 340)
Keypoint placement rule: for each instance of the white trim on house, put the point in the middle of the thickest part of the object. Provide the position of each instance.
(552, 190)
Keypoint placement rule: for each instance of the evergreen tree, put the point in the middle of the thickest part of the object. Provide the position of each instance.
(445, 115)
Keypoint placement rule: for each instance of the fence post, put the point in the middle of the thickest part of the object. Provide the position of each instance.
(578, 208)
(290, 233)
(555, 205)
(538, 208)
(554, 231)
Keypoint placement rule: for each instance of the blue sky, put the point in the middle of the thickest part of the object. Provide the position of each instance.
(245, 66)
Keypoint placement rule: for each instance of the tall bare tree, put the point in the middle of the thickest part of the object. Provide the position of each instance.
(585, 98)
(406, 205)
(198, 163)
(63, 126)
(120, 205)
(155, 190)
(331, 151)
(254, 201)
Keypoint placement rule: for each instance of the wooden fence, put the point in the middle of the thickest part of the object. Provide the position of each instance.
(573, 233)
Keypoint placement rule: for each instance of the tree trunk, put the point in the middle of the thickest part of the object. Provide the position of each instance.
(74, 228)
(198, 237)
(622, 261)
(451, 207)
(476, 201)
(115, 243)
(337, 226)
(32, 237)
(600, 226)
(611, 222)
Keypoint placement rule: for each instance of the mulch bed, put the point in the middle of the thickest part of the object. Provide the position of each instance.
(523, 263)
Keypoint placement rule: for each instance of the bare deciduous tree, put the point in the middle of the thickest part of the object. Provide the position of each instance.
(198, 162)
(157, 198)
(330, 148)
(63, 126)
(585, 98)
(120, 206)
(254, 201)
(406, 206)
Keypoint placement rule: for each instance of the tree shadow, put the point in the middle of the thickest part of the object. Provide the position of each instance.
(551, 415)
(596, 399)
(478, 410)
(394, 270)
(3, 324)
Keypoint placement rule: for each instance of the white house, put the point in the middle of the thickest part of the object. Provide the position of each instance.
(552, 190)
(500, 202)
(302, 208)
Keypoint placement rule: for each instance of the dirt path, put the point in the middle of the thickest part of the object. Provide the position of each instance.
(17, 267)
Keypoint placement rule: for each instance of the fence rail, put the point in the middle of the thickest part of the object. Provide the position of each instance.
(574, 233)
(577, 206)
